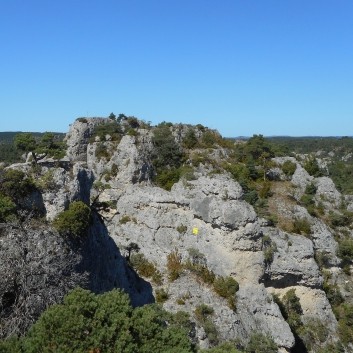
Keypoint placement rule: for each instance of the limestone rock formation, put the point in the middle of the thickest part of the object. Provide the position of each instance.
(204, 212)
(77, 138)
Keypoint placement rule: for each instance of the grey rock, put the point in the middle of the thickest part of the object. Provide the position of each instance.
(259, 313)
(77, 138)
(293, 261)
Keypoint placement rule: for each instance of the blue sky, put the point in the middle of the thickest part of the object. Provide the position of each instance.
(244, 67)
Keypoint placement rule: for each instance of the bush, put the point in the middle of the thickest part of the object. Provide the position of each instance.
(345, 249)
(211, 332)
(181, 228)
(202, 313)
(113, 129)
(190, 139)
(259, 343)
(288, 168)
(333, 294)
(340, 220)
(107, 323)
(124, 219)
(132, 132)
(144, 267)
(174, 265)
(82, 120)
(269, 249)
(7, 208)
(251, 197)
(102, 151)
(16, 184)
(265, 190)
(226, 288)
(302, 226)
(197, 257)
(312, 167)
(311, 189)
(74, 221)
(161, 295)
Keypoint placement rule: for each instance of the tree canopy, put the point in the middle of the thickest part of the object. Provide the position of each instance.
(86, 322)
(48, 146)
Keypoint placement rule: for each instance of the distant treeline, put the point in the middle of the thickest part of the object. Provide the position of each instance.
(8, 153)
(339, 145)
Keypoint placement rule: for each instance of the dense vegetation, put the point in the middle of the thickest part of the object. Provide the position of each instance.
(15, 185)
(86, 322)
(8, 151)
(338, 152)
(103, 323)
(74, 221)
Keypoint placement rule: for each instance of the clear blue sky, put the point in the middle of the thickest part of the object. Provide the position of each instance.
(245, 67)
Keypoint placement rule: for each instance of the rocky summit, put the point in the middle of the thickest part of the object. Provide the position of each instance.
(177, 211)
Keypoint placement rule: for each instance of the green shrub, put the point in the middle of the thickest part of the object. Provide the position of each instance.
(16, 184)
(174, 265)
(202, 313)
(302, 226)
(311, 189)
(345, 249)
(181, 319)
(340, 220)
(197, 257)
(208, 139)
(7, 208)
(181, 228)
(144, 267)
(333, 293)
(161, 295)
(321, 258)
(288, 168)
(113, 129)
(307, 199)
(132, 132)
(74, 221)
(251, 197)
(259, 343)
(272, 219)
(190, 139)
(312, 167)
(269, 248)
(226, 288)
(102, 151)
(211, 332)
(265, 190)
(313, 333)
(82, 120)
(107, 323)
(124, 219)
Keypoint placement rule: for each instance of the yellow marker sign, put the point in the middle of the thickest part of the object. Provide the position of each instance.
(195, 230)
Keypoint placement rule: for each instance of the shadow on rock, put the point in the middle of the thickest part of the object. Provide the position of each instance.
(108, 269)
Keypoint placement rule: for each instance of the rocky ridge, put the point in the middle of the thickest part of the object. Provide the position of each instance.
(230, 236)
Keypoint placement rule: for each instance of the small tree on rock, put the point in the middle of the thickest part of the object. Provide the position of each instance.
(48, 146)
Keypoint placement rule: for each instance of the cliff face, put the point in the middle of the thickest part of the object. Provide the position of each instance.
(229, 238)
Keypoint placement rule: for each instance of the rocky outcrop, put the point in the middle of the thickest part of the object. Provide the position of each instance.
(39, 267)
(203, 212)
(131, 158)
(77, 138)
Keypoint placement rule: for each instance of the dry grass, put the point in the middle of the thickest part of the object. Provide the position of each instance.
(281, 204)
